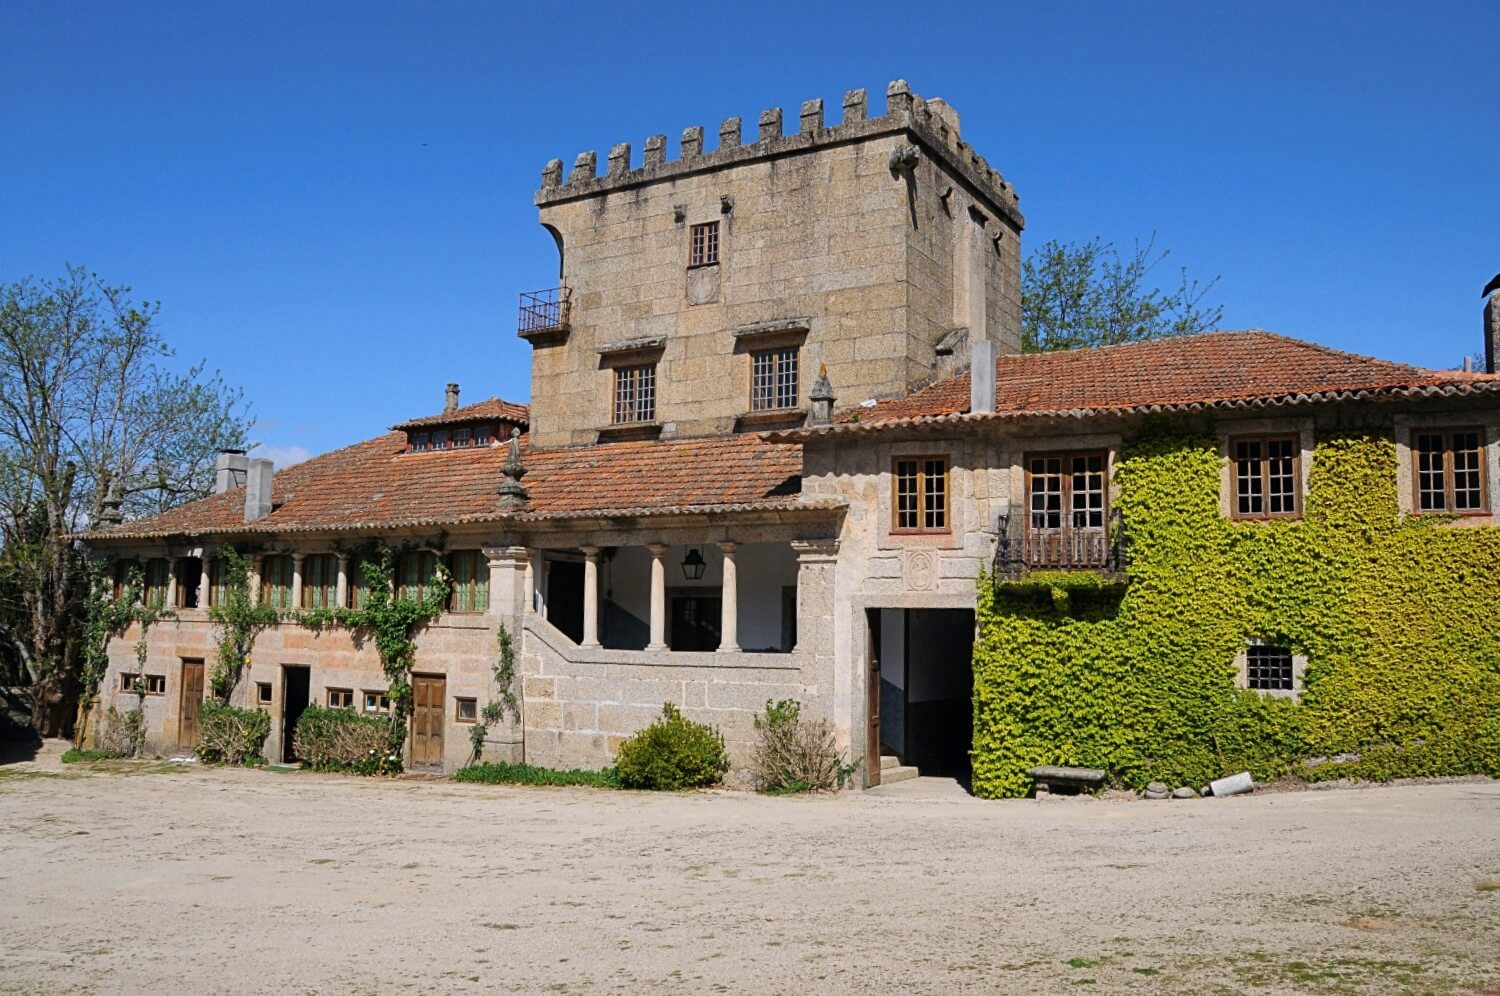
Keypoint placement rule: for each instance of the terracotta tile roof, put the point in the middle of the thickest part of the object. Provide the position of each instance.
(375, 484)
(1214, 370)
(495, 408)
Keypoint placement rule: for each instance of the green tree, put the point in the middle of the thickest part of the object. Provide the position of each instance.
(1075, 295)
(95, 425)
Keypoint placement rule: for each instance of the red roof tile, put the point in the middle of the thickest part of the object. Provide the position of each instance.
(490, 408)
(1214, 370)
(376, 484)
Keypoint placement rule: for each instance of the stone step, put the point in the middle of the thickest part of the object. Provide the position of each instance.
(889, 761)
(900, 773)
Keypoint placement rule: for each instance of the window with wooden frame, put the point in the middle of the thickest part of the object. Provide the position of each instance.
(919, 494)
(128, 680)
(414, 573)
(635, 394)
(466, 710)
(471, 581)
(158, 575)
(151, 684)
(359, 589)
(276, 581)
(341, 698)
(320, 581)
(773, 379)
(1266, 477)
(120, 576)
(1067, 506)
(703, 244)
(377, 702)
(217, 588)
(1448, 471)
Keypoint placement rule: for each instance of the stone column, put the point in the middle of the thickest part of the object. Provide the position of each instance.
(341, 591)
(297, 559)
(658, 596)
(816, 561)
(252, 576)
(530, 584)
(204, 582)
(509, 566)
(590, 596)
(171, 602)
(729, 621)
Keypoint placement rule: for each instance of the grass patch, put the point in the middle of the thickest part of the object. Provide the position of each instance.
(13, 775)
(74, 755)
(501, 773)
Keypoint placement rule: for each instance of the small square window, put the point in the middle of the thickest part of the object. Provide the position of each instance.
(635, 394)
(128, 680)
(1269, 669)
(466, 710)
(263, 692)
(341, 698)
(377, 701)
(705, 245)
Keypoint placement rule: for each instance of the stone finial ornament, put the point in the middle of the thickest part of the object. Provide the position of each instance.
(820, 399)
(513, 495)
(111, 509)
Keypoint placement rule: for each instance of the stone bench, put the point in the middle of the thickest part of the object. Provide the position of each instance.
(1072, 780)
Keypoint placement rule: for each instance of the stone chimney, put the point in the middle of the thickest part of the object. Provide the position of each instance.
(258, 490)
(229, 470)
(450, 398)
(1492, 325)
(981, 376)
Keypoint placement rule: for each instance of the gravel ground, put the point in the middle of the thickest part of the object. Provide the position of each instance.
(144, 877)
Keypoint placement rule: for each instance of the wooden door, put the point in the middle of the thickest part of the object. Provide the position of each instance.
(872, 697)
(428, 694)
(192, 704)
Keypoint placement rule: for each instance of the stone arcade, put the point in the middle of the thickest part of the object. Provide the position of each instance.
(756, 465)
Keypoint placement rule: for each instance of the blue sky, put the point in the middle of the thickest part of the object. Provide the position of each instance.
(332, 200)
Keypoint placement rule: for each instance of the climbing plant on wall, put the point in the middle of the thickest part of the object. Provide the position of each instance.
(495, 710)
(108, 614)
(238, 620)
(1394, 613)
(392, 617)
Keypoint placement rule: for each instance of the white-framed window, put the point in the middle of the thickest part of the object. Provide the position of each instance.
(773, 379)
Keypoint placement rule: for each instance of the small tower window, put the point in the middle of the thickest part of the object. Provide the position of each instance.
(705, 245)
(635, 394)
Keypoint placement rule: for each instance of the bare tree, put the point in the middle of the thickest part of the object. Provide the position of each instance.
(1076, 295)
(94, 425)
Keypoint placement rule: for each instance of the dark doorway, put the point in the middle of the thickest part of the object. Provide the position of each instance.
(925, 703)
(189, 580)
(565, 597)
(296, 682)
(695, 622)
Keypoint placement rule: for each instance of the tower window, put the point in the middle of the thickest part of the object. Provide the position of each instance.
(704, 245)
(635, 394)
(774, 379)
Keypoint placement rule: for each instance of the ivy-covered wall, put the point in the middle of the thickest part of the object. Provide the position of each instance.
(1399, 618)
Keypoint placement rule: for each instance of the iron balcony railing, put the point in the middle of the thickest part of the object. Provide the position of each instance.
(543, 311)
(1019, 551)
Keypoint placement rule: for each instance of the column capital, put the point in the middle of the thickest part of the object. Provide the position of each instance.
(658, 550)
(499, 556)
(297, 557)
(591, 552)
(815, 550)
(728, 547)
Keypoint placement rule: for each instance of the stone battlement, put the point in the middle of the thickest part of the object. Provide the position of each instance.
(932, 125)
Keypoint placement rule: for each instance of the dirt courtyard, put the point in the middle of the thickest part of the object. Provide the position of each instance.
(193, 880)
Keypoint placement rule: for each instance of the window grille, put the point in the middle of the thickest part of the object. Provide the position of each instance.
(705, 244)
(635, 394)
(1269, 669)
(773, 379)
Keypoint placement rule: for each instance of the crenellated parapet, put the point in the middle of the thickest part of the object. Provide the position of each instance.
(931, 126)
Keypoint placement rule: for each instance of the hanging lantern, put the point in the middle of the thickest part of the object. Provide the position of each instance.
(693, 565)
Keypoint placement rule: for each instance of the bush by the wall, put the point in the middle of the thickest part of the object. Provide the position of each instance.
(795, 754)
(1395, 614)
(673, 753)
(228, 735)
(501, 773)
(343, 740)
(123, 734)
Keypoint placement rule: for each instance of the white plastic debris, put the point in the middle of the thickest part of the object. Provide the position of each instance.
(1232, 785)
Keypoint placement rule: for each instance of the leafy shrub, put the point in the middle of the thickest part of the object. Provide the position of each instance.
(673, 753)
(793, 754)
(123, 733)
(500, 773)
(343, 740)
(230, 735)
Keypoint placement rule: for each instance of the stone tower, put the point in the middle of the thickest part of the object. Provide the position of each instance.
(700, 294)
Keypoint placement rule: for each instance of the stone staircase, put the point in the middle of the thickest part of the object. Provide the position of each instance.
(893, 771)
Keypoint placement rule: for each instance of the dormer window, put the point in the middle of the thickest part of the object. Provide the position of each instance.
(421, 442)
(460, 437)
